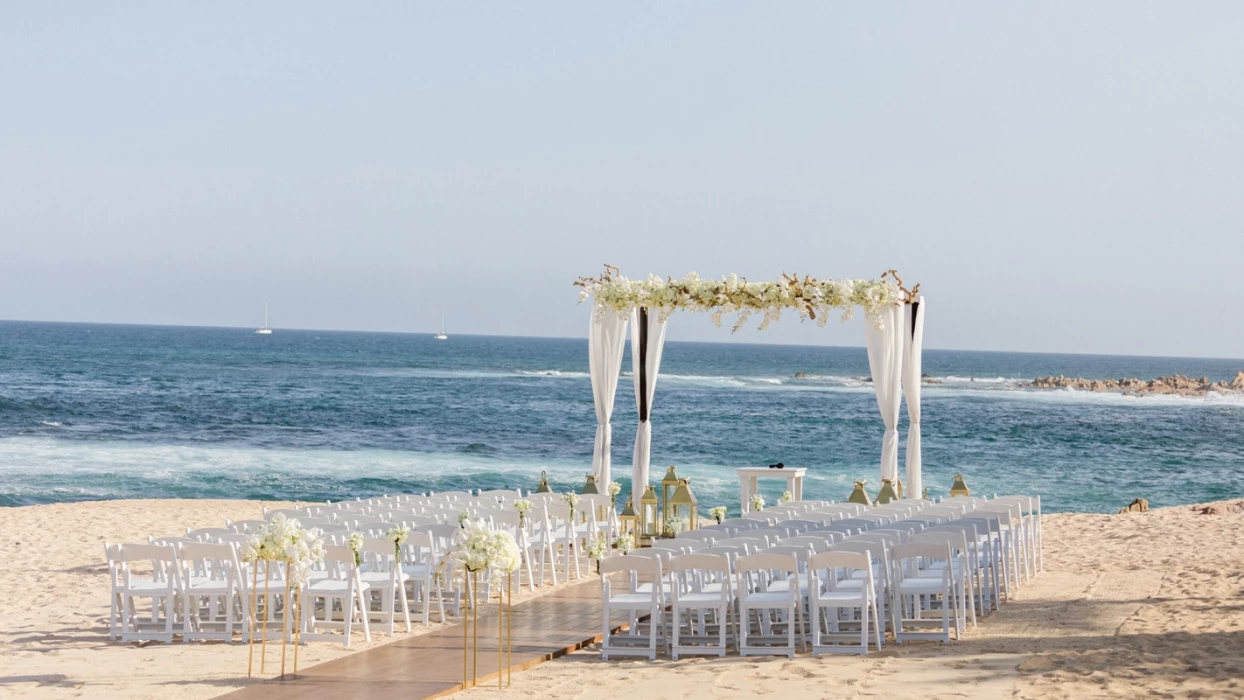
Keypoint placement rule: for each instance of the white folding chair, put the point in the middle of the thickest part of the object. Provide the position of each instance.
(915, 594)
(213, 598)
(702, 584)
(829, 598)
(634, 601)
(127, 588)
(384, 575)
(756, 573)
(341, 589)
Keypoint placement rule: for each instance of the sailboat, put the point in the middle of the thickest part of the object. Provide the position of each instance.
(265, 330)
(441, 335)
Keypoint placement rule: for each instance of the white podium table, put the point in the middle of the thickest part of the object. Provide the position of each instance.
(748, 476)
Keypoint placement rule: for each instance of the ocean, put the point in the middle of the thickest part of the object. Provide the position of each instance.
(109, 411)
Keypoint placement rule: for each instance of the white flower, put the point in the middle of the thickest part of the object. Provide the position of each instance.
(597, 548)
(624, 542)
(786, 497)
(674, 525)
(571, 499)
(757, 502)
(522, 505)
(717, 513)
(615, 488)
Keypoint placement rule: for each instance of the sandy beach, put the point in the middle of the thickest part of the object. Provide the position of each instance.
(1146, 604)
(54, 615)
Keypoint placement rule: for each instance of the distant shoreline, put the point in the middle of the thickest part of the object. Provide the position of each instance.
(1177, 385)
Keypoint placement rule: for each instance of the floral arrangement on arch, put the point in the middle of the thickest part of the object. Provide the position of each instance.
(812, 298)
(284, 540)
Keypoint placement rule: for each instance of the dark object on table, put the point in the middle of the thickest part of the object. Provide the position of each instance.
(779, 465)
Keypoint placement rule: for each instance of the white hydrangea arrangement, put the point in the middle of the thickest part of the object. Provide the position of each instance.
(598, 547)
(757, 502)
(673, 526)
(522, 505)
(624, 543)
(813, 299)
(615, 488)
(717, 513)
(479, 548)
(786, 497)
(284, 540)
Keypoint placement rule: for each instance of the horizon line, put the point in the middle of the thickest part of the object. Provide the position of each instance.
(584, 338)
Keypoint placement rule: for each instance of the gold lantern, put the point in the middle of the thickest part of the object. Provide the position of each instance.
(589, 488)
(887, 492)
(628, 521)
(683, 506)
(668, 486)
(649, 513)
(959, 488)
(544, 483)
(858, 495)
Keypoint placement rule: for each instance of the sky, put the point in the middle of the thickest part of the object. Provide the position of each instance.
(1059, 177)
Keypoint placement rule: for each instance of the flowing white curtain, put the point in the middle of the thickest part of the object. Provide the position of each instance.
(885, 361)
(913, 347)
(647, 343)
(606, 340)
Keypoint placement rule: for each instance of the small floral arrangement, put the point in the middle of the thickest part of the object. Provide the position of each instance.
(717, 513)
(522, 505)
(598, 547)
(615, 488)
(284, 540)
(758, 502)
(572, 499)
(624, 542)
(673, 526)
(463, 517)
(398, 536)
(478, 548)
(356, 546)
(786, 497)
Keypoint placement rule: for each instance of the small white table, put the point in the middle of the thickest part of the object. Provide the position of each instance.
(748, 476)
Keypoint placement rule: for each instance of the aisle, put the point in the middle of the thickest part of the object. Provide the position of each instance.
(430, 665)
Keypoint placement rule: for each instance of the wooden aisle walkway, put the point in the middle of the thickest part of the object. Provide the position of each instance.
(430, 665)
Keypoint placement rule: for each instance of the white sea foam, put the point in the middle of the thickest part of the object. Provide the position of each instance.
(51, 423)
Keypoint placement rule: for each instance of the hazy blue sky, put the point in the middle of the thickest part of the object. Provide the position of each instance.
(1059, 176)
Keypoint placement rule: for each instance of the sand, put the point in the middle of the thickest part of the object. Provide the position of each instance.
(1136, 605)
(54, 607)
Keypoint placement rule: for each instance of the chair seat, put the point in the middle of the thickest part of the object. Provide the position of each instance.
(416, 570)
(701, 599)
(922, 586)
(381, 578)
(144, 587)
(631, 600)
(769, 599)
(840, 596)
(334, 586)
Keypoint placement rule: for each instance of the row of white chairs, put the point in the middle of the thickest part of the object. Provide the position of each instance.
(821, 574)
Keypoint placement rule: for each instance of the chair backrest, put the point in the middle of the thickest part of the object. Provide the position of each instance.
(642, 565)
(700, 562)
(163, 554)
(818, 542)
(290, 513)
(785, 563)
(800, 525)
(731, 552)
(801, 553)
(875, 550)
(205, 534)
(503, 496)
(753, 544)
(936, 551)
(841, 559)
(742, 523)
(704, 535)
(247, 526)
(233, 538)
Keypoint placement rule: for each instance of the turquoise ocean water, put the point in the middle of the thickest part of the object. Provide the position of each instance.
(98, 411)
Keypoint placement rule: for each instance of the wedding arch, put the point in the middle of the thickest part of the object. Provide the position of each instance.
(894, 335)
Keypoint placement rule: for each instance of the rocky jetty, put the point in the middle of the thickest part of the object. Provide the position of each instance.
(1176, 384)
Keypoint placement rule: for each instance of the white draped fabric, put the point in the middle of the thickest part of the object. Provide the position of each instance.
(885, 361)
(606, 340)
(647, 343)
(913, 347)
